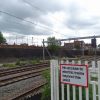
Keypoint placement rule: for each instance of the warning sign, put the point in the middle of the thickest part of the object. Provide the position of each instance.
(74, 74)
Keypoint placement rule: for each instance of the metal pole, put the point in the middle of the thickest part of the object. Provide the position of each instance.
(48, 53)
(27, 39)
(32, 40)
(95, 57)
(43, 51)
(83, 48)
(16, 39)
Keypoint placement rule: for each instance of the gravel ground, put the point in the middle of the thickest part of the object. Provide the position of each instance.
(17, 87)
(1, 67)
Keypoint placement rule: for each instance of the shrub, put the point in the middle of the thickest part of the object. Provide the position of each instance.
(9, 65)
(46, 89)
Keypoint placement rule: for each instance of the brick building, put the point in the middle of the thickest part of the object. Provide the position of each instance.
(74, 45)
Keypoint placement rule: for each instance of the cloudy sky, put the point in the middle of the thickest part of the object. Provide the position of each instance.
(30, 21)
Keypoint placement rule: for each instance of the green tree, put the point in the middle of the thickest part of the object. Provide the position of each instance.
(53, 41)
(53, 45)
(2, 39)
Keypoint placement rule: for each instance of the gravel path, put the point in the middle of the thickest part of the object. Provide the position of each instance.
(12, 89)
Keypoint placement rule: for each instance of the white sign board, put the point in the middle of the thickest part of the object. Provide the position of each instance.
(74, 74)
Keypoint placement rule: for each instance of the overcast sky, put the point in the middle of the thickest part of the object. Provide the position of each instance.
(44, 18)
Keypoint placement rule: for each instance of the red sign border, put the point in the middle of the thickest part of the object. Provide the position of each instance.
(78, 66)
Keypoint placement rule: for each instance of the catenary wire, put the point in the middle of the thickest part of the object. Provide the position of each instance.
(27, 21)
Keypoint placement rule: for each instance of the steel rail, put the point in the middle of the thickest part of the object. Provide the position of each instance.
(14, 79)
(22, 67)
(27, 91)
(18, 70)
(35, 88)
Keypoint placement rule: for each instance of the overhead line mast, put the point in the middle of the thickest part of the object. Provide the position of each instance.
(87, 37)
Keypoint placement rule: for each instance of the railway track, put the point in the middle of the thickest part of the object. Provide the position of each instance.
(22, 69)
(10, 76)
(32, 90)
(21, 76)
(15, 75)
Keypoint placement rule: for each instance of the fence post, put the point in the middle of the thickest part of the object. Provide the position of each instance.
(54, 80)
(68, 86)
(74, 88)
(98, 80)
(62, 85)
(87, 89)
(80, 88)
(94, 85)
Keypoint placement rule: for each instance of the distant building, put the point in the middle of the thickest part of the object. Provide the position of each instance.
(93, 43)
(74, 45)
(79, 44)
(87, 46)
(69, 45)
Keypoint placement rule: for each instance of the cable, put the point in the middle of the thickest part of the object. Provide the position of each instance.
(33, 6)
(17, 17)
(27, 21)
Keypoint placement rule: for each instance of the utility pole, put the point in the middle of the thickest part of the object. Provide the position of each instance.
(27, 40)
(16, 39)
(32, 40)
(43, 51)
(83, 48)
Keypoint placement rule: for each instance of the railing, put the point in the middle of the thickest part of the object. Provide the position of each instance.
(72, 92)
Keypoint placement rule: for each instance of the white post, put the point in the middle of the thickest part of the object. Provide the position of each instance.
(87, 89)
(94, 85)
(94, 91)
(80, 88)
(98, 80)
(62, 87)
(57, 79)
(68, 92)
(93, 64)
(74, 93)
(62, 91)
(54, 80)
(74, 88)
(68, 87)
